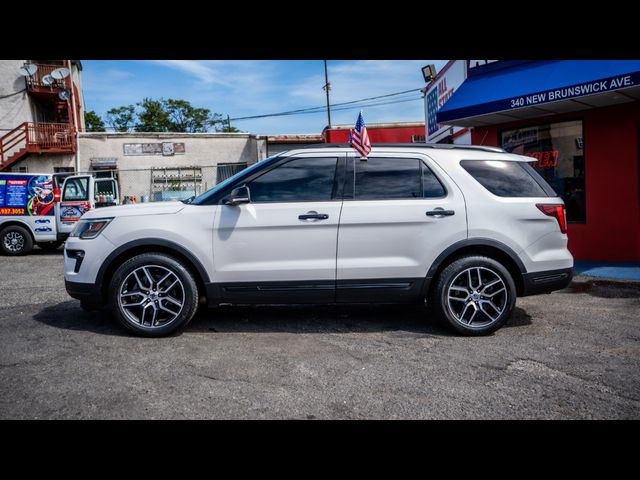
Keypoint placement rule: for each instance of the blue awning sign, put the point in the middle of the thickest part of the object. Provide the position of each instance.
(531, 84)
(613, 83)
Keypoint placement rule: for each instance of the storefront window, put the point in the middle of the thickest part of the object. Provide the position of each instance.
(557, 152)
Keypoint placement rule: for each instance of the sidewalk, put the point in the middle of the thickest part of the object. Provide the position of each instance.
(618, 270)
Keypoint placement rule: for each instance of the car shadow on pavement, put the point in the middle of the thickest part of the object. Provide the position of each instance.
(69, 316)
(412, 320)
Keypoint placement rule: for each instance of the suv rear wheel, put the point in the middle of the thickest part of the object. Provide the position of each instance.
(474, 295)
(153, 294)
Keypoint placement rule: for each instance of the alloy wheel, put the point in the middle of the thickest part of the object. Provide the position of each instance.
(151, 296)
(477, 297)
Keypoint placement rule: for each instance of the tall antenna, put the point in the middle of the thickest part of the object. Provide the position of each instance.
(326, 88)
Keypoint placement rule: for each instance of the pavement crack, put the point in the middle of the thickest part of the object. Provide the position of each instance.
(541, 369)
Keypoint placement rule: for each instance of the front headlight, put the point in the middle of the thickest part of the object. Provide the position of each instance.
(89, 228)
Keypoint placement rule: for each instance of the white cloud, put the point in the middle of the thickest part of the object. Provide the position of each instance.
(115, 74)
(196, 68)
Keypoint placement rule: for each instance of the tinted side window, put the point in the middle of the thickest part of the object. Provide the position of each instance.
(505, 179)
(431, 186)
(298, 180)
(388, 179)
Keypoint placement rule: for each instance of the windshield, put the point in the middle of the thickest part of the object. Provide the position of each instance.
(204, 197)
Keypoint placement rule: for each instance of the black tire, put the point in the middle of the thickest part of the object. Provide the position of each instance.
(487, 318)
(49, 245)
(158, 264)
(15, 240)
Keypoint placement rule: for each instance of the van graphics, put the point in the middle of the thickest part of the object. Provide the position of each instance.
(26, 195)
(72, 211)
(43, 229)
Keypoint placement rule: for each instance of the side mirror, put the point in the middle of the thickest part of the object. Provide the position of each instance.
(237, 196)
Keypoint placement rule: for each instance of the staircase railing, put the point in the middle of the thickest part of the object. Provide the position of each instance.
(37, 137)
(13, 141)
(45, 136)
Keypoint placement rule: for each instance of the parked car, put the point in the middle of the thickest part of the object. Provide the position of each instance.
(466, 228)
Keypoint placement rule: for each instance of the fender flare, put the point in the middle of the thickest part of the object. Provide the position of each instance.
(471, 242)
(152, 242)
(19, 223)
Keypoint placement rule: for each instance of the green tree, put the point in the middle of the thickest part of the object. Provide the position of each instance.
(122, 119)
(223, 125)
(183, 117)
(171, 115)
(93, 122)
(153, 116)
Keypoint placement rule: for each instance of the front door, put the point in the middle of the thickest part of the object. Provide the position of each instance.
(281, 246)
(391, 228)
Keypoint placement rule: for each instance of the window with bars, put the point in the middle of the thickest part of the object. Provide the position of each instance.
(226, 170)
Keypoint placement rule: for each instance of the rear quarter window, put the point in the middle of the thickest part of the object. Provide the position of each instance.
(508, 179)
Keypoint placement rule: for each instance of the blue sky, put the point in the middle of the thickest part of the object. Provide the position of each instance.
(253, 87)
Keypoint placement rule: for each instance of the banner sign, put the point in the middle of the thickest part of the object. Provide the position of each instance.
(163, 148)
(26, 195)
(437, 94)
(547, 96)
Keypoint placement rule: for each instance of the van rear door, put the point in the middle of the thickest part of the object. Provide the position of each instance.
(76, 199)
(106, 192)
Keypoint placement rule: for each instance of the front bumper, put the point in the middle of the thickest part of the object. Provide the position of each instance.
(85, 292)
(535, 283)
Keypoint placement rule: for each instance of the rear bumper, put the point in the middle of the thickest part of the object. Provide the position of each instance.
(85, 292)
(535, 283)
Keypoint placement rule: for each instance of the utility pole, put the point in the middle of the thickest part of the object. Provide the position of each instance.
(228, 123)
(326, 88)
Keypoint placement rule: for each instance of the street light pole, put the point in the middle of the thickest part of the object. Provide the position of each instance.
(327, 87)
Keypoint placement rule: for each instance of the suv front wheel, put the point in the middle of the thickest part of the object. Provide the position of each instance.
(474, 295)
(153, 294)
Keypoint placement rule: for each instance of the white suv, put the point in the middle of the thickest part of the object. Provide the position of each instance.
(465, 228)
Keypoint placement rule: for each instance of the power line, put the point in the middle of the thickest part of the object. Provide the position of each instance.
(12, 94)
(355, 107)
(323, 108)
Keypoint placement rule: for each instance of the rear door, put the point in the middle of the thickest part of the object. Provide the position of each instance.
(75, 200)
(106, 192)
(400, 212)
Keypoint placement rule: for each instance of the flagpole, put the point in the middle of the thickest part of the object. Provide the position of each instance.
(327, 87)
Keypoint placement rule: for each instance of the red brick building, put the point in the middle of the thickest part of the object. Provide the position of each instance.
(579, 120)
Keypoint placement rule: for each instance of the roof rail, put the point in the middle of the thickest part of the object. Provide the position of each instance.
(444, 146)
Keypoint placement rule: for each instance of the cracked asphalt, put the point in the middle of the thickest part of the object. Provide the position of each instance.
(574, 354)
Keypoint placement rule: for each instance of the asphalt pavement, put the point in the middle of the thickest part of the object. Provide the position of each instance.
(573, 354)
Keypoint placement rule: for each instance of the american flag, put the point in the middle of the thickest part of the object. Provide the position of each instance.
(359, 138)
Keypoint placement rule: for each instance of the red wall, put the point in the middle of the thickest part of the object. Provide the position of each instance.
(612, 229)
(377, 135)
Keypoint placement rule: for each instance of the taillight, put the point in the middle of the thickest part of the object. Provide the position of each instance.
(56, 194)
(557, 211)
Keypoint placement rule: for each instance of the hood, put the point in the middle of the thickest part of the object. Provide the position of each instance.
(153, 208)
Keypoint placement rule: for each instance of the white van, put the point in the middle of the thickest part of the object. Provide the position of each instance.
(42, 208)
